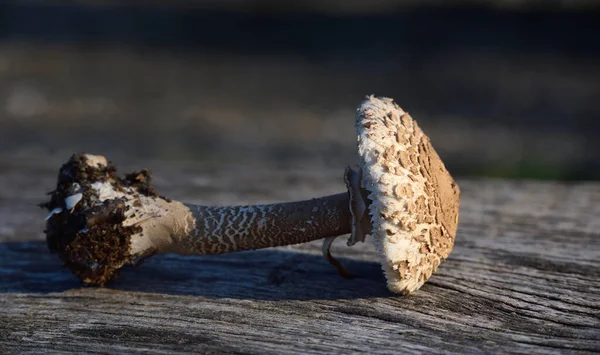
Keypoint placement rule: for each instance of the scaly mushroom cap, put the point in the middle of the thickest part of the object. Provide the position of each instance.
(414, 200)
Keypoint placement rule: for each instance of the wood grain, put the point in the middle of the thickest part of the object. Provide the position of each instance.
(524, 277)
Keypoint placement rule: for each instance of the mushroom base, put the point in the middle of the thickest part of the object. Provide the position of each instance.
(89, 234)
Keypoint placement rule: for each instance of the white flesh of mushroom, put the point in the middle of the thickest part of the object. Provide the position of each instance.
(72, 201)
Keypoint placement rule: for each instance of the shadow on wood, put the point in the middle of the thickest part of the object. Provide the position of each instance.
(271, 274)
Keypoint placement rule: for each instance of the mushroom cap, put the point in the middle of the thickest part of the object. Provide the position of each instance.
(414, 200)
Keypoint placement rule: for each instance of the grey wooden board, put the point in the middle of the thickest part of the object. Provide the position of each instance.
(524, 277)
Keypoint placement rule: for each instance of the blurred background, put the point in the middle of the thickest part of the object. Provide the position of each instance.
(504, 88)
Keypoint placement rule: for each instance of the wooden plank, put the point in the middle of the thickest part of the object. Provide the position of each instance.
(524, 277)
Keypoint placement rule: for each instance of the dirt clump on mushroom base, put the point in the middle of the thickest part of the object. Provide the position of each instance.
(89, 236)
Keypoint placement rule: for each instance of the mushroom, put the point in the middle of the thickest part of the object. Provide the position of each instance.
(401, 194)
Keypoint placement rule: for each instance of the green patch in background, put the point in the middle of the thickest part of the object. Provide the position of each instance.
(534, 171)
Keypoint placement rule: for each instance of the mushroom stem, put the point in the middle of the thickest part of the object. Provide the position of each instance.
(116, 221)
(221, 230)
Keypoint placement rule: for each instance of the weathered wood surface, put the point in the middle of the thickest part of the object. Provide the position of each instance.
(524, 277)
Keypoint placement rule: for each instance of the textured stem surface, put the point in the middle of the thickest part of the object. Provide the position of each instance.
(221, 230)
